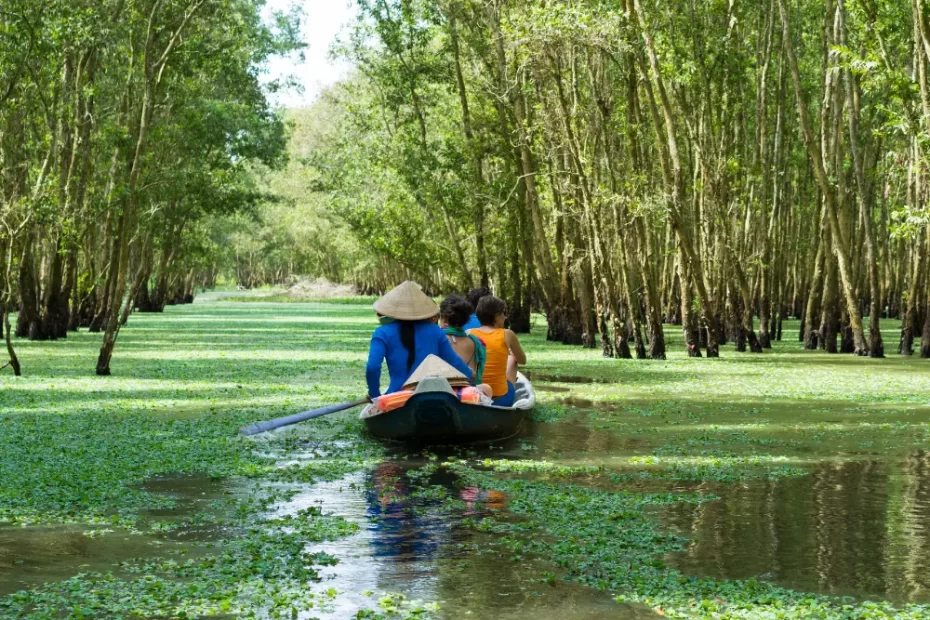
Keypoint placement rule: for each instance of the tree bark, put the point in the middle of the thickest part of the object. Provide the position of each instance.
(816, 155)
(483, 277)
(909, 324)
(10, 351)
(925, 338)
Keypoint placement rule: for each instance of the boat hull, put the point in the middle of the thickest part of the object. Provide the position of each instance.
(434, 415)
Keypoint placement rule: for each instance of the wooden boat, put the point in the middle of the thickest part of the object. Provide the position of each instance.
(434, 415)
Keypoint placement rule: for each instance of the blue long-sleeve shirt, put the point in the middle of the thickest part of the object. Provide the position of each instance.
(386, 345)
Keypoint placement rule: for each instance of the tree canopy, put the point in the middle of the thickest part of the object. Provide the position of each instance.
(621, 164)
(126, 127)
(613, 164)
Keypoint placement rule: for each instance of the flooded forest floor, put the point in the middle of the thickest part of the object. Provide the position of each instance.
(790, 484)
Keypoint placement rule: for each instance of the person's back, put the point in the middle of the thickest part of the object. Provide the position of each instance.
(495, 366)
(474, 296)
(454, 313)
(503, 350)
(426, 338)
(406, 337)
(466, 350)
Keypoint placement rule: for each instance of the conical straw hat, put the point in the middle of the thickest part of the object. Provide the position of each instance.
(434, 366)
(407, 302)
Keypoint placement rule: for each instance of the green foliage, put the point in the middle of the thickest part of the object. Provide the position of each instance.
(84, 446)
(605, 540)
(285, 299)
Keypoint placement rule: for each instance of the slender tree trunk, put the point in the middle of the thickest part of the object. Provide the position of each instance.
(6, 294)
(830, 313)
(815, 295)
(632, 305)
(876, 346)
(10, 351)
(830, 204)
(119, 260)
(738, 334)
(119, 264)
(654, 312)
(747, 321)
(29, 322)
(925, 339)
(483, 277)
(153, 72)
(689, 322)
(909, 324)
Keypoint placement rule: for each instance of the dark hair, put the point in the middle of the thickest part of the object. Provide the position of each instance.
(455, 310)
(488, 309)
(409, 339)
(475, 295)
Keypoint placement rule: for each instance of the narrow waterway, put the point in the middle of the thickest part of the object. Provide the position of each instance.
(855, 526)
(412, 546)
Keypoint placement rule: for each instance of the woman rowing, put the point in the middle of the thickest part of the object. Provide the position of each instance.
(406, 337)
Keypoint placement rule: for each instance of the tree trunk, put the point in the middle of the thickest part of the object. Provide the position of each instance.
(925, 339)
(830, 314)
(738, 332)
(119, 263)
(689, 321)
(483, 277)
(55, 312)
(830, 202)
(7, 329)
(29, 322)
(747, 321)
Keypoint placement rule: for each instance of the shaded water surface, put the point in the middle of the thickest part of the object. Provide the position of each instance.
(32, 555)
(858, 528)
(420, 547)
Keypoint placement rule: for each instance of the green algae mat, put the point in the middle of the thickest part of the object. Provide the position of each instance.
(790, 484)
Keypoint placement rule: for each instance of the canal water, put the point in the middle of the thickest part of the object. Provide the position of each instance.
(857, 527)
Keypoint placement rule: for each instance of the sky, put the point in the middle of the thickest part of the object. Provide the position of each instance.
(322, 21)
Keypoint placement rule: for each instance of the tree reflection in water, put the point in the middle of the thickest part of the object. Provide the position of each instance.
(857, 528)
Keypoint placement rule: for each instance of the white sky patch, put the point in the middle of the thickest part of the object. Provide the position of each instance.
(323, 20)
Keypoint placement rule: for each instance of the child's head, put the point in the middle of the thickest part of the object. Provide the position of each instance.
(455, 311)
(491, 311)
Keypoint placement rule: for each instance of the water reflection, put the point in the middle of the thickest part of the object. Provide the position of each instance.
(31, 556)
(576, 439)
(413, 542)
(408, 526)
(850, 528)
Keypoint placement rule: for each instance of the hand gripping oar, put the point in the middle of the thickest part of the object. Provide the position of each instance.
(270, 425)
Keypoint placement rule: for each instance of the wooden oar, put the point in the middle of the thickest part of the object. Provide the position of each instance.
(270, 425)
